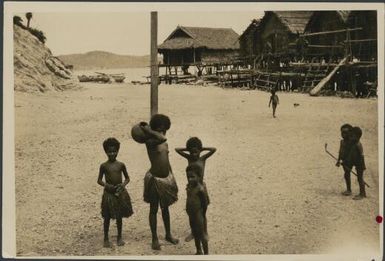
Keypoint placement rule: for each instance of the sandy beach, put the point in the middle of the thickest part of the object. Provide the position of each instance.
(273, 189)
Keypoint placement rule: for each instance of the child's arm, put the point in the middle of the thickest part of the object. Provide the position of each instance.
(270, 102)
(362, 158)
(109, 187)
(100, 177)
(339, 155)
(203, 199)
(211, 150)
(181, 151)
(125, 174)
(155, 137)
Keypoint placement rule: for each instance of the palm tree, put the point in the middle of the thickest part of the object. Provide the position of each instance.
(29, 17)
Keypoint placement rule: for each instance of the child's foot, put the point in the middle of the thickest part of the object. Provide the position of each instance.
(120, 242)
(155, 244)
(199, 253)
(172, 240)
(358, 197)
(347, 193)
(106, 243)
(189, 237)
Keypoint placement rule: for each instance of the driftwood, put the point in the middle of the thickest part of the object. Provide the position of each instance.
(325, 80)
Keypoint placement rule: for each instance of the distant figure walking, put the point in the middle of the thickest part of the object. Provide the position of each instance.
(116, 202)
(160, 187)
(274, 100)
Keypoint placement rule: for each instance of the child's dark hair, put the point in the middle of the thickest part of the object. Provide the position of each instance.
(111, 142)
(346, 126)
(357, 131)
(194, 168)
(158, 120)
(194, 142)
(272, 91)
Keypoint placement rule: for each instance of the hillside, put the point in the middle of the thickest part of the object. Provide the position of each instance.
(104, 60)
(35, 69)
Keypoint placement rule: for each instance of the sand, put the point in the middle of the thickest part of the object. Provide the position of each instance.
(273, 189)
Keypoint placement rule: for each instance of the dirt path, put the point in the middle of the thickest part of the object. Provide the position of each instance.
(273, 188)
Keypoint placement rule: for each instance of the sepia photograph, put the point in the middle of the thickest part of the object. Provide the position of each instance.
(154, 130)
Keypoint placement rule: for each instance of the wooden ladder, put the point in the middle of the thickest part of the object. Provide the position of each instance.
(314, 75)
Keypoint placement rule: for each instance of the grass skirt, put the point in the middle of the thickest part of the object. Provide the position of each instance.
(116, 206)
(163, 189)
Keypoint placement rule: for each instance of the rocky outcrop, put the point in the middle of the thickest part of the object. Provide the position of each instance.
(35, 68)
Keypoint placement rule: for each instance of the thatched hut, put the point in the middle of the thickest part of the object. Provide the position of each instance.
(278, 29)
(199, 46)
(250, 41)
(327, 43)
(364, 41)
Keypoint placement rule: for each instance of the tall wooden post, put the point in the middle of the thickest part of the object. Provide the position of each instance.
(154, 63)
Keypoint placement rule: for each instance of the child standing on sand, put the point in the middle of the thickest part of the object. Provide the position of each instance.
(356, 159)
(196, 206)
(160, 187)
(194, 148)
(274, 100)
(116, 202)
(345, 145)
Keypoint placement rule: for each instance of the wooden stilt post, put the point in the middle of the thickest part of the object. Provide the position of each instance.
(154, 63)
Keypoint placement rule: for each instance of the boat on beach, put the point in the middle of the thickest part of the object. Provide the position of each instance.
(94, 78)
(102, 78)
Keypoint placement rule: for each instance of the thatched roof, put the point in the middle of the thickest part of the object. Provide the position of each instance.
(201, 37)
(344, 15)
(295, 21)
(253, 25)
(340, 18)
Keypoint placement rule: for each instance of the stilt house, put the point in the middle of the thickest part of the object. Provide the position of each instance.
(199, 46)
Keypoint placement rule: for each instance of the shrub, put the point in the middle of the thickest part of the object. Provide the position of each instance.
(17, 20)
(39, 34)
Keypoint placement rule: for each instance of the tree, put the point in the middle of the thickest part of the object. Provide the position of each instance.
(29, 17)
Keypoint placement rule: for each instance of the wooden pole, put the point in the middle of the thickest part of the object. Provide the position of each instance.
(154, 63)
(331, 32)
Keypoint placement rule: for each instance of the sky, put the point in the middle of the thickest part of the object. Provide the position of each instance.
(125, 32)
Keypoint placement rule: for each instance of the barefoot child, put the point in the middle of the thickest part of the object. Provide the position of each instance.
(160, 187)
(345, 146)
(274, 101)
(196, 206)
(194, 148)
(356, 159)
(116, 202)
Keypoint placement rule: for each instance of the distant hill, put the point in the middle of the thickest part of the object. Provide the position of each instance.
(104, 60)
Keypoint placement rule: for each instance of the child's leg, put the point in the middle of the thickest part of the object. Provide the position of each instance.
(205, 221)
(205, 245)
(274, 107)
(152, 220)
(198, 246)
(347, 180)
(360, 177)
(106, 226)
(167, 226)
(119, 226)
